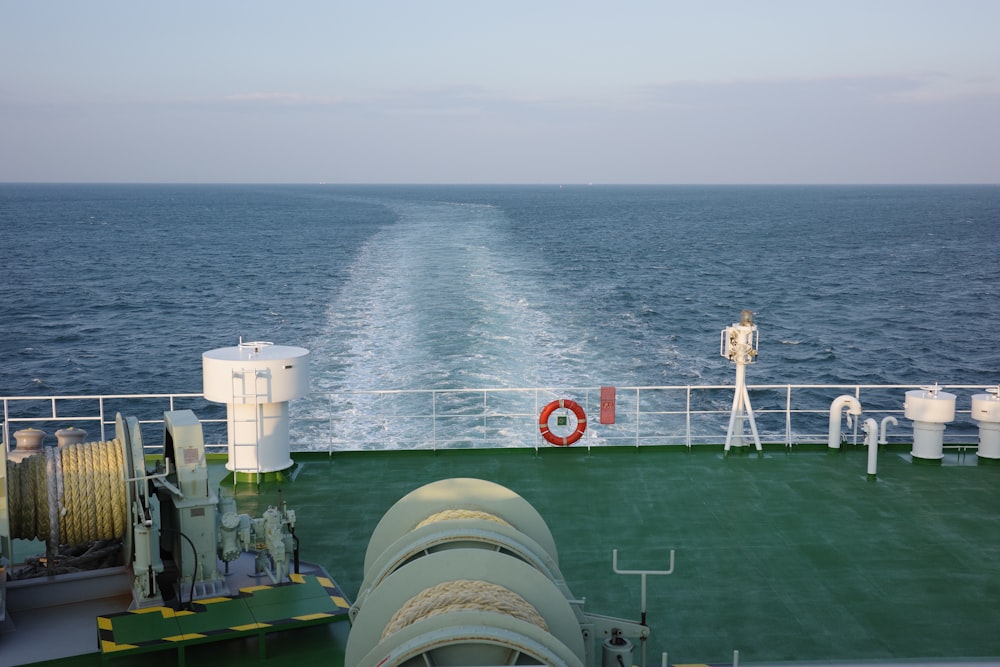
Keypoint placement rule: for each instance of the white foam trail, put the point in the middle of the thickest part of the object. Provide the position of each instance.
(438, 300)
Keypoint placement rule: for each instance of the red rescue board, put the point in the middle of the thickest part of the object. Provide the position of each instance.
(607, 405)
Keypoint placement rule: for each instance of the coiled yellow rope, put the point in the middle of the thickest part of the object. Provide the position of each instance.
(69, 518)
(38, 483)
(116, 481)
(87, 485)
(463, 595)
(26, 495)
(30, 503)
(447, 515)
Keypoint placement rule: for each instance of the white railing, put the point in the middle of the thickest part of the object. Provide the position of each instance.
(685, 415)
(94, 413)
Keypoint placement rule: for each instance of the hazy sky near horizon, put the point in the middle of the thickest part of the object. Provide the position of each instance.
(459, 91)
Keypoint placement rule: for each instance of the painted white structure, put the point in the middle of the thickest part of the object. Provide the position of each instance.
(837, 407)
(739, 343)
(870, 428)
(930, 409)
(986, 412)
(882, 440)
(256, 381)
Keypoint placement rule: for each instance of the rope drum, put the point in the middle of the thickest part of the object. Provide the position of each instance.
(453, 514)
(70, 495)
(463, 572)
(463, 595)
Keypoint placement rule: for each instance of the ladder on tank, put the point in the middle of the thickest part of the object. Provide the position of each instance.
(247, 395)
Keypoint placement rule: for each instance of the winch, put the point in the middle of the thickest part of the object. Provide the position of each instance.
(177, 534)
(465, 572)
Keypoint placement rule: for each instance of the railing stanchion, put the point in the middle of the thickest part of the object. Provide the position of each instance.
(788, 417)
(6, 424)
(687, 435)
(100, 409)
(637, 413)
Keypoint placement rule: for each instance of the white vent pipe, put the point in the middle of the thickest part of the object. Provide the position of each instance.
(853, 407)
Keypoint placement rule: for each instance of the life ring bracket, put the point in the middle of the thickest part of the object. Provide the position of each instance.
(566, 404)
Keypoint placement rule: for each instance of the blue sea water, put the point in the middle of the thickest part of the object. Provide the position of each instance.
(120, 288)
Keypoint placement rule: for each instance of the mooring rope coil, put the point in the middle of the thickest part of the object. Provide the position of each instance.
(14, 499)
(463, 595)
(451, 514)
(118, 507)
(69, 520)
(70, 495)
(38, 482)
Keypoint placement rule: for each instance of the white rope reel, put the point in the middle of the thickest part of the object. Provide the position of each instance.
(465, 572)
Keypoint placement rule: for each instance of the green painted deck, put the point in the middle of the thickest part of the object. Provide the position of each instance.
(788, 556)
(784, 556)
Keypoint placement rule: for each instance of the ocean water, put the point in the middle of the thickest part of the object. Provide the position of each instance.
(120, 288)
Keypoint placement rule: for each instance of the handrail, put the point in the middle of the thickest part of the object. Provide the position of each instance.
(103, 419)
(686, 415)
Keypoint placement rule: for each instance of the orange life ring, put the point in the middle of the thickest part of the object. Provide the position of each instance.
(581, 422)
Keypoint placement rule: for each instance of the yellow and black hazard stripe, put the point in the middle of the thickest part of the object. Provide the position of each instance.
(215, 619)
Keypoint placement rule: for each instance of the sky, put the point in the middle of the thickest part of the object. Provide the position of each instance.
(464, 91)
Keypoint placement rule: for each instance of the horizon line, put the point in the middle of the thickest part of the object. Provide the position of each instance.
(575, 184)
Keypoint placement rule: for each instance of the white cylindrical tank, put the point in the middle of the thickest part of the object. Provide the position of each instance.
(256, 380)
(930, 409)
(986, 412)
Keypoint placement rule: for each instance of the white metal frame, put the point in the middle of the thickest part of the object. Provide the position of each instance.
(318, 420)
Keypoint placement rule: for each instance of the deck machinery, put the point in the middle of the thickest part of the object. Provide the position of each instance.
(177, 535)
(465, 572)
(460, 571)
